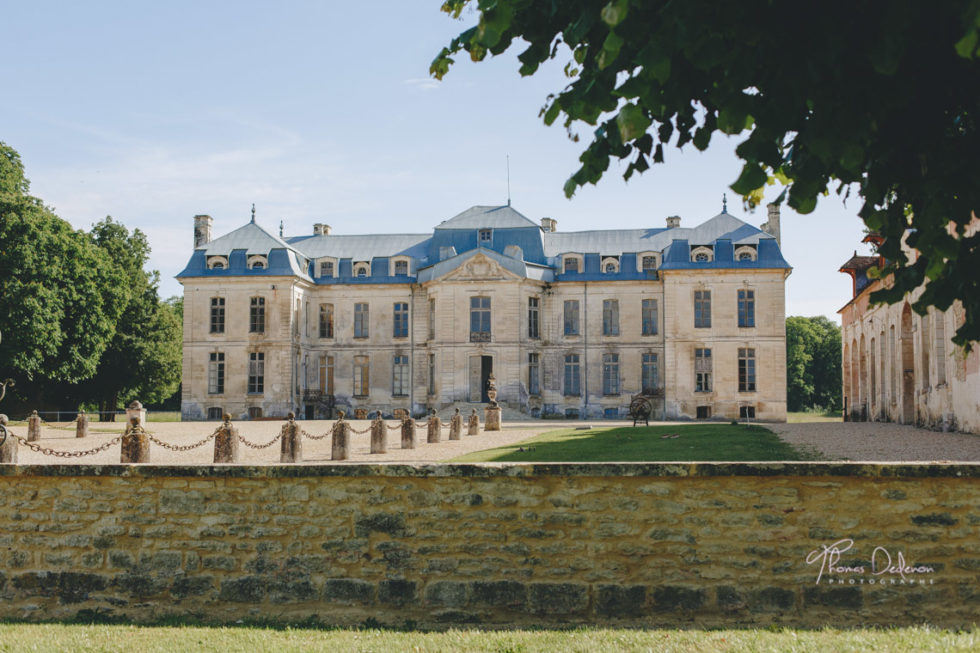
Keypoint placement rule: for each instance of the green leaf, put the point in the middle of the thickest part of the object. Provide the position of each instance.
(752, 177)
(610, 49)
(552, 113)
(852, 156)
(614, 12)
(732, 120)
(966, 47)
(632, 122)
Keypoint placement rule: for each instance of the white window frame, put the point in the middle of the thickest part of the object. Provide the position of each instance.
(607, 261)
(701, 249)
(258, 260)
(398, 259)
(327, 259)
(746, 249)
(358, 266)
(577, 257)
(214, 261)
(642, 255)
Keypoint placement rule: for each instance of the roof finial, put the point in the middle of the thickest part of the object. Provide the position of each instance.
(280, 228)
(253, 212)
(724, 202)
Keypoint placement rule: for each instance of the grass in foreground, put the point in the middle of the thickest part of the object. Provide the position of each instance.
(697, 442)
(59, 637)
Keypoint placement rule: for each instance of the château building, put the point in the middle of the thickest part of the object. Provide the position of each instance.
(570, 323)
(899, 366)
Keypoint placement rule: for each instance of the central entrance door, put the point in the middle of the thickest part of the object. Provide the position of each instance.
(480, 370)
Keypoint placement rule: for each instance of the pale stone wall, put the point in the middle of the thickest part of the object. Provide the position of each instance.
(707, 545)
(292, 345)
(913, 382)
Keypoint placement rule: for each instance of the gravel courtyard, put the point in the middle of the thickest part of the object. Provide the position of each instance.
(853, 441)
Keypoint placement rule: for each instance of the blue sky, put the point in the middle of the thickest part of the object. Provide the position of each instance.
(324, 112)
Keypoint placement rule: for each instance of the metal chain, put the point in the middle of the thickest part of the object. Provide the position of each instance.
(314, 437)
(259, 446)
(395, 427)
(185, 447)
(67, 454)
(356, 432)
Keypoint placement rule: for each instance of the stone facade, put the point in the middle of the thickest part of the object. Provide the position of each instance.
(571, 324)
(902, 367)
(707, 545)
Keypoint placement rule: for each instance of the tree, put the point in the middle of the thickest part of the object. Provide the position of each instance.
(813, 371)
(60, 295)
(143, 360)
(877, 96)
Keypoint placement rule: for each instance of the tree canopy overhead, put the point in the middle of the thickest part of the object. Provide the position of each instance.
(878, 96)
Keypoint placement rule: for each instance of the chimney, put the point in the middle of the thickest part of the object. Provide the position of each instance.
(772, 226)
(202, 230)
(321, 229)
(673, 222)
(549, 225)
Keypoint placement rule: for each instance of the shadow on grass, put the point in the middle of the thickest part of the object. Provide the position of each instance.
(666, 443)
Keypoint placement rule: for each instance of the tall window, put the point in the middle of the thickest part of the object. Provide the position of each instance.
(360, 320)
(533, 374)
(217, 315)
(256, 373)
(479, 319)
(306, 321)
(610, 374)
(432, 374)
(326, 268)
(399, 376)
(326, 374)
(702, 309)
(648, 315)
(401, 268)
(746, 308)
(649, 263)
(573, 381)
(702, 370)
(610, 317)
(432, 319)
(571, 317)
(532, 317)
(924, 343)
(361, 376)
(746, 370)
(400, 322)
(326, 320)
(216, 374)
(256, 315)
(650, 373)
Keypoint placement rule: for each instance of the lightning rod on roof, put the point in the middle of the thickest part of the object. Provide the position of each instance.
(253, 212)
(280, 228)
(724, 202)
(508, 180)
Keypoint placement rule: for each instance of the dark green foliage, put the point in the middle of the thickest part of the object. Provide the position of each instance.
(813, 364)
(81, 317)
(873, 96)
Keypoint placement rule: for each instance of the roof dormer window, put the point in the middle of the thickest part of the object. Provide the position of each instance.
(702, 254)
(610, 265)
(486, 237)
(745, 253)
(572, 263)
(362, 269)
(217, 263)
(257, 263)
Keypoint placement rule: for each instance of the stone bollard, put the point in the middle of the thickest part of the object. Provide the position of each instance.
(226, 442)
(408, 433)
(435, 427)
(136, 409)
(492, 419)
(474, 425)
(81, 426)
(33, 427)
(379, 435)
(135, 444)
(455, 425)
(340, 439)
(8, 449)
(292, 447)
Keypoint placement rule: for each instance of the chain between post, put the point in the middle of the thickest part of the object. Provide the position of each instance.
(253, 445)
(47, 451)
(184, 447)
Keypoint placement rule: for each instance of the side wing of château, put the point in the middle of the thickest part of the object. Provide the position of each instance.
(569, 323)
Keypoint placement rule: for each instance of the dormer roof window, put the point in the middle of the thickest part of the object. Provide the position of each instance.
(486, 237)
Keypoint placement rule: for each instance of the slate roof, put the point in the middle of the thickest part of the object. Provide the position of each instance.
(492, 217)
(250, 237)
(362, 248)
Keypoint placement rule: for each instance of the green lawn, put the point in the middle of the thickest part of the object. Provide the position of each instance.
(699, 442)
(145, 639)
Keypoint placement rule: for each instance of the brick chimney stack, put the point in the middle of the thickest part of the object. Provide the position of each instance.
(772, 226)
(321, 229)
(202, 230)
(673, 222)
(549, 225)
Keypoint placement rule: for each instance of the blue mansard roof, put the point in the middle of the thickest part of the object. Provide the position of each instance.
(500, 233)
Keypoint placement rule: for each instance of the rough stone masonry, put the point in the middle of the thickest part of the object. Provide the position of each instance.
(803, 544)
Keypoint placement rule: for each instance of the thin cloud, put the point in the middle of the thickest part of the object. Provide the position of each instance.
(422, 83)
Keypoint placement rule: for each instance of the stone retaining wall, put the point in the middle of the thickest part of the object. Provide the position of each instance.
(494, 545)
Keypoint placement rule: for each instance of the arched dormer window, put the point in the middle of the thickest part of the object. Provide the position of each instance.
(647, 261)
(745, 253)
(217, 263)
(362, 269)
(610, 265)
(702, 254)
(257, 263)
